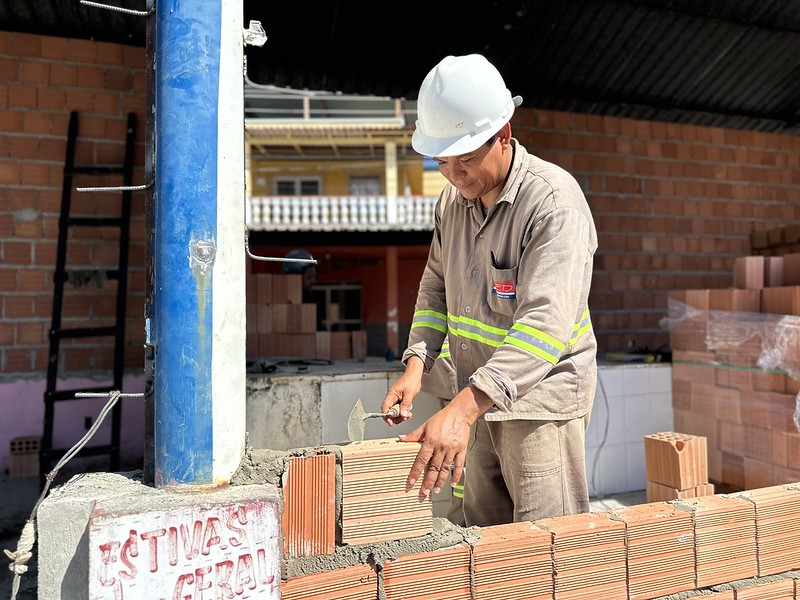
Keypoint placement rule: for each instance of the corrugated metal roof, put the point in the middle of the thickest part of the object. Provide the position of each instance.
(733, 63)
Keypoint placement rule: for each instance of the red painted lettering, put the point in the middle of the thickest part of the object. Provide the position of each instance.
(187, 579)
(245, 574)
(240, 515)
(256, 528)
(200, 583)
(263, 577)
(130, 549)
(152, 537)
(212, 537)
(222, 576)
(108, 556)
(261, 559)
(191, 548)
(172, 546)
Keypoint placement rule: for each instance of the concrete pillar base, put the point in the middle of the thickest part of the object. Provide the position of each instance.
(108, 536)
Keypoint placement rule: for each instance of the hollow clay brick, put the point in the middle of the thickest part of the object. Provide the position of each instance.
(375, 504)
(660, 544)
(512, 561)
(588, 556)
(358, 582)
(439, 575)
(725, 538)
(676, 460)
(777, 510)
(777, 590)
(748, 272)
(309, 508)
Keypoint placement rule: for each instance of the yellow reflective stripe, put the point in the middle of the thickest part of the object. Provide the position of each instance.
(477, 324)
(580, 328)
(536, 342)
(539, 334)
(445, 353)
(535, 350)
(525, 337)
(431, 319)
(458, 494)
(475, 330)
(477, 337)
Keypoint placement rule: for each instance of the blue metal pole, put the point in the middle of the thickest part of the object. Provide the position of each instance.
(198, 319)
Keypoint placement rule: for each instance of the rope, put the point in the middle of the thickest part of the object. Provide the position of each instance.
(21, 556)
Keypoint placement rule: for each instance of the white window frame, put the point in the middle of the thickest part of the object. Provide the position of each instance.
(297, 184)
(372, 179)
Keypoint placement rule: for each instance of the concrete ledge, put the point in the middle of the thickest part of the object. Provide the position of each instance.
(109, 536)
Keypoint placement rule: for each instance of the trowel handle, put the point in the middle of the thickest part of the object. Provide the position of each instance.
(394, 411)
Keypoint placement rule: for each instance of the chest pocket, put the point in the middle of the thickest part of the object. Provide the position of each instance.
(503, 293)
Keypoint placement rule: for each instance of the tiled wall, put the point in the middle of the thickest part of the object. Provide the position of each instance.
(632, 400)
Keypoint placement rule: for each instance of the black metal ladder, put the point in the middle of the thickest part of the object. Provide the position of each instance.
(48, 454)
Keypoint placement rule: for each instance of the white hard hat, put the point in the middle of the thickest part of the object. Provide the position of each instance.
(462, 103)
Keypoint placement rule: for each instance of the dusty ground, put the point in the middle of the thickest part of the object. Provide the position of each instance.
(17, 498)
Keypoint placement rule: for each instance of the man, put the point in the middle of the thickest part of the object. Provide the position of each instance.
(507, 282)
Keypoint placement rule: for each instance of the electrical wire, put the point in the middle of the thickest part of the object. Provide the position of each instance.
(23, 553)
(596, 459)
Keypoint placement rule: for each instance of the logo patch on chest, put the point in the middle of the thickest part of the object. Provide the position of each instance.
(504, 290)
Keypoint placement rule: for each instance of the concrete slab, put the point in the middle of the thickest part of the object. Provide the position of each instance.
(107, 536)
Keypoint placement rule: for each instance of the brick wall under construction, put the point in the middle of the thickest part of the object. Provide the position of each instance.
(735, 546)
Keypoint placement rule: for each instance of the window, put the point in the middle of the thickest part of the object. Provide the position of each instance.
(365, 186)
(297, 186)
(342, 305)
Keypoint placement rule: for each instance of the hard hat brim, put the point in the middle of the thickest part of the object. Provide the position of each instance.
(455, 146)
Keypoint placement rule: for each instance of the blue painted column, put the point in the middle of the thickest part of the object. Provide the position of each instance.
(198, 326)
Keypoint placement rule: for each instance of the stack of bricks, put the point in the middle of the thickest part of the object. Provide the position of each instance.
(279, 324)
(695, 546)
(777, 241)
(677, 466)
(736, 355)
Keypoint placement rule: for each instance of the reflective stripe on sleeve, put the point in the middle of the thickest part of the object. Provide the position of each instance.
(522, 336)
(475, 330)
(580, 328)
(431, 319)
(536, 342)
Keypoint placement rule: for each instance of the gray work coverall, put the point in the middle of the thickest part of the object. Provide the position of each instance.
(516, 315)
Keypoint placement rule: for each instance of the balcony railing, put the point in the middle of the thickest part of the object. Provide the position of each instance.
(341, 213)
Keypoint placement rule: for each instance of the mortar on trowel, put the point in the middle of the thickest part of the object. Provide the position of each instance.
(358, 419)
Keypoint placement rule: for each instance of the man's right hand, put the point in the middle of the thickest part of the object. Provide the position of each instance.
(403, 391)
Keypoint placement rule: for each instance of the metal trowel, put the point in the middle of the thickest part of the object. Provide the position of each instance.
(358, 418)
